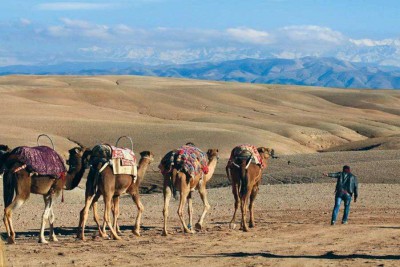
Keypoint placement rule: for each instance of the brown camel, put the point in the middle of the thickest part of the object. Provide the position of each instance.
(112, 187)
(246, 178)
(177, 180)
(23, 183)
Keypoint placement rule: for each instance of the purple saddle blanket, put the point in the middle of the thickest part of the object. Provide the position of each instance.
(41, 159)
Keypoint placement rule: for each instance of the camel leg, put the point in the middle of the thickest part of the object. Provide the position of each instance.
(243, 206)
(183, 196)
(235, 191)
(204, 198)
(107, 210)
(45, 216)
(115, 212)
(52, 218)
(190, 210)
(83, 216)
(251, 206)
(17, 202)
(102, 233)
(167, 197)
(140, 207)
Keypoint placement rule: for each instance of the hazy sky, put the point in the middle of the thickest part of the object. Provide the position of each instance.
(154, 31)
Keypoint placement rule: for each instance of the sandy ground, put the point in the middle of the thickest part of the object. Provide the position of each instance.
(292, 230)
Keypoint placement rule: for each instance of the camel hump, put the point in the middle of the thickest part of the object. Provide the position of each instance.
(102, 151)
(41, 159)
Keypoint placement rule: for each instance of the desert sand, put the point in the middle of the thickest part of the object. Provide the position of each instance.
(356, 127)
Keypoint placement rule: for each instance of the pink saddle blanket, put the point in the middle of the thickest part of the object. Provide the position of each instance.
(126, 156)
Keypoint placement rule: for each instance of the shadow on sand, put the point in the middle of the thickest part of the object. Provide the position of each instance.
(328, 256)
(71, 231)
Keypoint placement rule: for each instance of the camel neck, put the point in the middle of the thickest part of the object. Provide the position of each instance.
(73, 178)
(142, 169)
(212, 164)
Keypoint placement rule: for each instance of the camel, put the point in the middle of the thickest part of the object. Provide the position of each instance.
(177, 180)
(23, 184)
(246, 178)
(112, 187)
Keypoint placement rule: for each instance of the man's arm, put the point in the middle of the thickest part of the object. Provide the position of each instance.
(332, 174)
(355, 189)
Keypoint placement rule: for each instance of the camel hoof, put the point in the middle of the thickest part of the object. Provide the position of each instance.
(252, 225)
(103, 235)
(198, 226)
(136, 232)
(10, 240)
(188, 231)
(232, 226)
(164, 233)
(53, 239)
(245, 229)
(117, 238)
(43, 241)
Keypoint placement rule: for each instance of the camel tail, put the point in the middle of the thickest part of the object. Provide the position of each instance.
(9, 181)
(172, 183)
(243, 177)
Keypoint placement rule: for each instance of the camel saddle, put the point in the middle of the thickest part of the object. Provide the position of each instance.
(41, 160)
(246, 151)
(188, 158)
(122, 160)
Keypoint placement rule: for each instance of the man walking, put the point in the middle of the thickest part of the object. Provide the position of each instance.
(346, 186)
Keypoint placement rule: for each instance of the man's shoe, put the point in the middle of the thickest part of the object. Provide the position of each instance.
(333, 222)
(344, 222)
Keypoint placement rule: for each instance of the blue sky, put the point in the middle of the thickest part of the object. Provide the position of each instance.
(180, 31)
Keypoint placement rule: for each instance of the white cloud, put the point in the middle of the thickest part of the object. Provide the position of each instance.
(25, 22)
(248, 35)
(76, 23)
(80, 28)
(370, 42)
(91, 49)
(311, 33)
(72, 38)
(73, 6)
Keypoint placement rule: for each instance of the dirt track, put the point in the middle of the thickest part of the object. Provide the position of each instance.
(292, 230)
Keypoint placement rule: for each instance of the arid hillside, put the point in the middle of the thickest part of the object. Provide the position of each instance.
(163, 113)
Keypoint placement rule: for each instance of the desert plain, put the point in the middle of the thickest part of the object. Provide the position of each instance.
(311, 129)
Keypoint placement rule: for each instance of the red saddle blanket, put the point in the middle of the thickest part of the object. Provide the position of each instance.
(41, 159)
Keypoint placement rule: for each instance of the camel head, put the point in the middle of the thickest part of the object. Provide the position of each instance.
(4, 152)
(78, 158)
(211, 153)
(266, 152)
(147, 155)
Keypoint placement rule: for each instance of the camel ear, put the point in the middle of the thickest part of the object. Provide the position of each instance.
(144, 153)
(261, 150)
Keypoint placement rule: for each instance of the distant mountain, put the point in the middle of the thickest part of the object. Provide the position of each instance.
(313, 71)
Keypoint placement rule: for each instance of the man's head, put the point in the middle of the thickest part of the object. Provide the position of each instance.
(346, 168)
